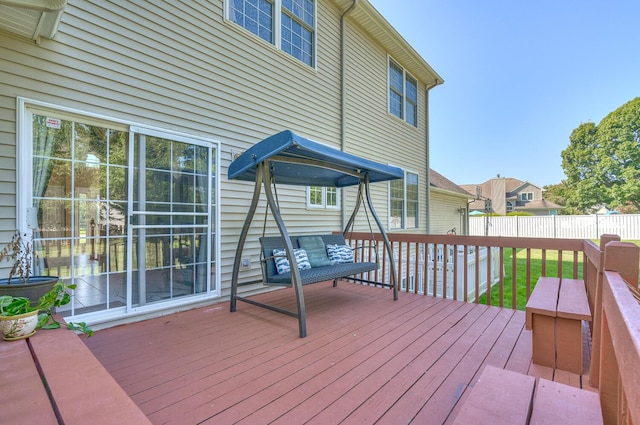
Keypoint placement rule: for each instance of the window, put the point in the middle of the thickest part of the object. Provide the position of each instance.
(295, 20)
(322, 197)
(509, 206)
(403, 202)
(403, 94)
(526, 196)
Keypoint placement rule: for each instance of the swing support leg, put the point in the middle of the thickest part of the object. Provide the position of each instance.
(364, 184)
(296, 281)
(242, 240)
(263, 178)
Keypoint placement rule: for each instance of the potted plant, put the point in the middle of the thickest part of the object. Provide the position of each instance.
(19, 319)
(20, 282)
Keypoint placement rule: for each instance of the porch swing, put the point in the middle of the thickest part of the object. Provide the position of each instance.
(287, 158)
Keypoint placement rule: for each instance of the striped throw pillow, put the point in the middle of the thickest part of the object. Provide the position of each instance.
(282, 262)
(340, 253)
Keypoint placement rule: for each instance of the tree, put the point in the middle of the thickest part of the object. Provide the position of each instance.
(558, 194)
(602, 163)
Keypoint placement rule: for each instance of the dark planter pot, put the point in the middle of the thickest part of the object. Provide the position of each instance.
(34, 288)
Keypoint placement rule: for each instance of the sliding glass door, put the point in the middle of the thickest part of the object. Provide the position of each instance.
(170, 241)
(127, 214)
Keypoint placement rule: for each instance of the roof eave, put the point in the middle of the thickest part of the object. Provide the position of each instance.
(31, 18)
(452, 193)
(384, 33)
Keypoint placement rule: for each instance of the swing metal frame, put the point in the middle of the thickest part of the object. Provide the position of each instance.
(300, 161)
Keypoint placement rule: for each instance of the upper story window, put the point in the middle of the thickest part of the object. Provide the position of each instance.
(526, 196)
(403, 202)
(288, 24)
(322, 197)
(403, 94)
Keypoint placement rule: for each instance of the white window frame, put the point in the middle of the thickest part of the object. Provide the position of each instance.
(405, 101)
(278, 10)
(323, 204)
(405, 202)
(526, 196)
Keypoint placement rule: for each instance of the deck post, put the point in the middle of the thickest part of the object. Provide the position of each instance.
(596, 326)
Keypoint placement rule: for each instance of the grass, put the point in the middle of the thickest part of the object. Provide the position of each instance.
(536, 271)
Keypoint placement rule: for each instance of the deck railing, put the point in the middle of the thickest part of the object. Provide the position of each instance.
(465, 268)
(618, 345)
(457, 267)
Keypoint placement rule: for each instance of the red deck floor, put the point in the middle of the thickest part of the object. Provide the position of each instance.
(366, 359)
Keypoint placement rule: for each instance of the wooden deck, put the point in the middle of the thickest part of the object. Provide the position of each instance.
(366, 359)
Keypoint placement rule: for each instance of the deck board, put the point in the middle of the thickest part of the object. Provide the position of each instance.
(366, 358)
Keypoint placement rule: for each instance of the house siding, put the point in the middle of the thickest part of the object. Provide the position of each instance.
(375, 133)
(445, 213)
(180, 66)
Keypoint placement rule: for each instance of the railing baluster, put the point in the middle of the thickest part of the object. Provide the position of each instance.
(445, 258)
(477, 266)
(489, 280)
(465, 269)
(416, 270)
(514, 274)
(425, 268)
(501, 280)
(455, 272)
(435, 269)
(560, 258)
(528, 260)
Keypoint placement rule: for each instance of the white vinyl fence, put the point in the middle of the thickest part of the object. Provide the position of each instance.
(627, 226)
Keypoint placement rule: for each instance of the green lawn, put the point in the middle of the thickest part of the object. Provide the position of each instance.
(536, 271)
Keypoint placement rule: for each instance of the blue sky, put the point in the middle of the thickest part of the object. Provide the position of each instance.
(519, 77)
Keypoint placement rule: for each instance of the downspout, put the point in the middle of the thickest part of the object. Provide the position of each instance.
(428, 171)
(343, 95)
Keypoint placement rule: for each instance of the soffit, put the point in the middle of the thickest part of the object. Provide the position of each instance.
(368, 17)
(31, 18)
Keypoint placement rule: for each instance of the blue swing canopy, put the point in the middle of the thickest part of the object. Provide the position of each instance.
(299, 161)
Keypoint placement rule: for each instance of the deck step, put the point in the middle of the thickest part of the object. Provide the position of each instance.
(557, 403)
(500, 397)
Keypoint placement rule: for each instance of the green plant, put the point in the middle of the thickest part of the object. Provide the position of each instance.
(58, 296)
(19, 252)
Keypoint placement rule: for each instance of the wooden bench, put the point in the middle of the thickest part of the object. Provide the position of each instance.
(53, 378)
(504, 397)
(554, 314)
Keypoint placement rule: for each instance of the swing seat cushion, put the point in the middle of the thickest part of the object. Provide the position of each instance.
(321, 274)
(316, 250)
(314, 274)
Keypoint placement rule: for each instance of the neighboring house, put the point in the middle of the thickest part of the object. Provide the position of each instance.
(120, 119)
(448, 206)
(507, 195)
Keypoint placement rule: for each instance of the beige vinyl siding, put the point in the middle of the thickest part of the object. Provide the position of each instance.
(179, 66)
(7, 169)
(444, 213)
(375, 133)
